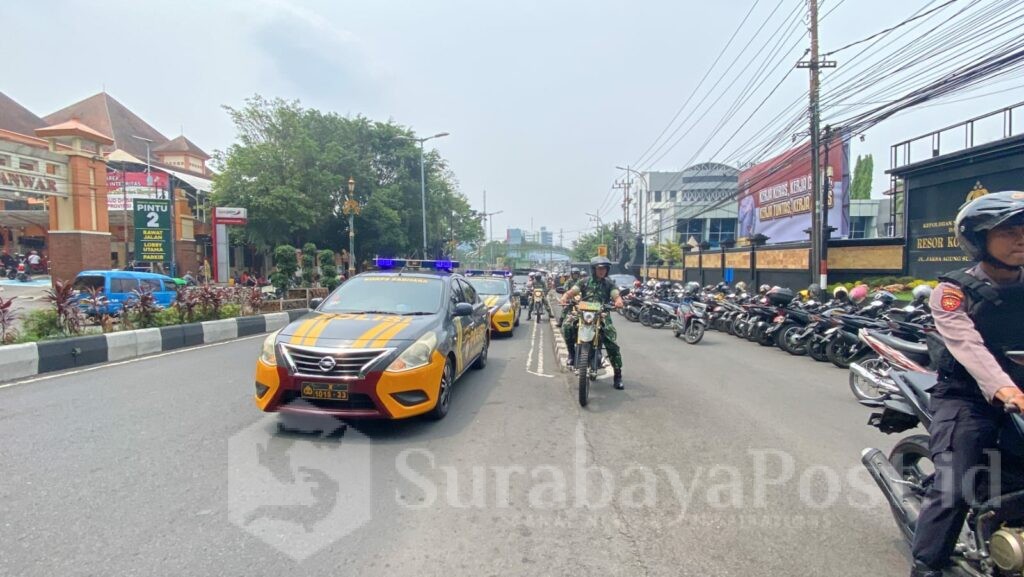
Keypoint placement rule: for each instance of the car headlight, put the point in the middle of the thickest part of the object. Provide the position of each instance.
(506, 307)
(416, 355)
(269, 353)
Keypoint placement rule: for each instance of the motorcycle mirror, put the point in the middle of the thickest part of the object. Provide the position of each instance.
(1016, 356)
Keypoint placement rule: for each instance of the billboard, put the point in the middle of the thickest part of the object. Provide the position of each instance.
(136, 185)
(152, 220)
(775, 195)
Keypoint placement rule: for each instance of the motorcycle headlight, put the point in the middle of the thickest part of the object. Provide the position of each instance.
(506, 307)
(588, 317)
(269, 353)
(416, 355)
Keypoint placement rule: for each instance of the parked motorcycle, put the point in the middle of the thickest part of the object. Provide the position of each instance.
(690, 321)
(871, 379)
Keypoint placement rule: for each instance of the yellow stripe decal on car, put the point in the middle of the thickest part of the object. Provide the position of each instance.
(389, 334)
(369, 335)
(302, 330)
(315, 332)
(491, 301)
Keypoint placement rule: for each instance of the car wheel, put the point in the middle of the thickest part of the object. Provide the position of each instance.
(481, 361)
(444, 393)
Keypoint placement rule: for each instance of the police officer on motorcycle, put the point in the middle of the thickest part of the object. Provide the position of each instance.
(598, 288)
(574, 277)
(978, 312)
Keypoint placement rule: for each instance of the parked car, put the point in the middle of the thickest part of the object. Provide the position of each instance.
(119, 286)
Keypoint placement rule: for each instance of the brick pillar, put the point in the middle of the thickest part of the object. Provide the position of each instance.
(79, 235)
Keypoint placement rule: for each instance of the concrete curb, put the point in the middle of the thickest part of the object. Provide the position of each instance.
(30, 359)
(561, 351)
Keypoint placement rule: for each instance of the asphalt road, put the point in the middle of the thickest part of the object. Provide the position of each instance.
(719, 459)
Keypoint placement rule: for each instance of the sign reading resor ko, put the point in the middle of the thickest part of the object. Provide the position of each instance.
(153, 230)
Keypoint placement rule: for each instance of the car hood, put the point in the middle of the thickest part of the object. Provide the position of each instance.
(356, 330)
(491, 301)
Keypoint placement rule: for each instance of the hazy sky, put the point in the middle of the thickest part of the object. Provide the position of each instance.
(542, 98)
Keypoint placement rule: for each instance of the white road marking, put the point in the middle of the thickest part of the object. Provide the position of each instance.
(540, 353)
(126, 362)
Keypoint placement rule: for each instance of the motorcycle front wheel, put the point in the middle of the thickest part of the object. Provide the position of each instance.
(694, 333)
(583, 366)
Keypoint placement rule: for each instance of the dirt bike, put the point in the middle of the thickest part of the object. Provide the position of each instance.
(537, 303)
(590, 317)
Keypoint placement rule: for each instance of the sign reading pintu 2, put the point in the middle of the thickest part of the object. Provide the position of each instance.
(153, 230)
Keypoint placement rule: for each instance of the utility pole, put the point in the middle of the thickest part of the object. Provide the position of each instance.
(814, 64)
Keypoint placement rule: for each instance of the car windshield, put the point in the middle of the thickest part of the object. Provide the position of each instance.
(489, 286)
(520, 279)
(622, 279)
(387, 294)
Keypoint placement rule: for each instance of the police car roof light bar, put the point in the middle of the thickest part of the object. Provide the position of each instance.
(410, 264)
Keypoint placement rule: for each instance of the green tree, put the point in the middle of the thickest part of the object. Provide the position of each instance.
(670, 252)
(863, 174)
(287, 264)
(290, 167)
(328, 270)
(585, 247)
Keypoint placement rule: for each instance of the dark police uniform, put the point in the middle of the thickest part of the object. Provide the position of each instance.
(604, 292)
(978, 321)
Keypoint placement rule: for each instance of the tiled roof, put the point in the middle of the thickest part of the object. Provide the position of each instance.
(184, 145)
(106, 115)
(17, 118)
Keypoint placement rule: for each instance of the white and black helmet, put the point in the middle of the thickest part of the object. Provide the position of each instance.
(983, 214)
(922, 293)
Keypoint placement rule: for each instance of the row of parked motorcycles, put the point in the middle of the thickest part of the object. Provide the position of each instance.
(884, 345)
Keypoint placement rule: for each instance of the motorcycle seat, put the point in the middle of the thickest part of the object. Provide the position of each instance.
(902, 345)
(921, 383)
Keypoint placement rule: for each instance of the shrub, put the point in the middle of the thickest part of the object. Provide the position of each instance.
(8, 316)
(96, 307)
(69, 316)
(142, 308)
(185, 302)
(308, 264)
(328, 269)
(251, 301)
(40, 324)
(229, 311)
(211, 299)
(167, 317)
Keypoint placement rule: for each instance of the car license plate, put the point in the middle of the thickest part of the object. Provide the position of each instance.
(325, 391)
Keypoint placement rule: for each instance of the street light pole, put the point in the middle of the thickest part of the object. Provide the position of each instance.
(351, 208)
(641, 210)
(423, 182)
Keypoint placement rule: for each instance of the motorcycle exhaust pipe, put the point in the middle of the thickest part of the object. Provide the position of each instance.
(905, 505)
(865, 374)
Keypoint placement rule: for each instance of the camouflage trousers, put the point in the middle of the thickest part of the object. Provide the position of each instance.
(608, 339)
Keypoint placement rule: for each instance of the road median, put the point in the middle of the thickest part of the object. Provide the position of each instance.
(30, 359)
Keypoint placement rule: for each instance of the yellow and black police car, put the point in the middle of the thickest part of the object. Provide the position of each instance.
(387, 344)
(495, 288)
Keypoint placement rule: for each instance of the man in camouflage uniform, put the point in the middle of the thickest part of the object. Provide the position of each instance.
(597, 288)
(569, 283)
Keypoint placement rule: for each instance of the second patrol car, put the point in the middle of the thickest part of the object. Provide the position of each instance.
(495, 288)
(387, 344)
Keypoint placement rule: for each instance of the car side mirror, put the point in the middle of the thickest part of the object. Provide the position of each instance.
(462, 310)
(315, 303)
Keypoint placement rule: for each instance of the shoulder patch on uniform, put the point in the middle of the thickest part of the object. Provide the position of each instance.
(951, 298)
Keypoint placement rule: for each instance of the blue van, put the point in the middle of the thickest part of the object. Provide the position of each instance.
(117, 286)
